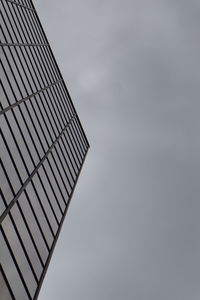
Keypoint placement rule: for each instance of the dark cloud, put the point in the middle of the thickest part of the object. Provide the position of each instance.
(132, 68)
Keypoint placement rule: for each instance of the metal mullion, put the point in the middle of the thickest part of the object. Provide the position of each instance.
(62, 168)
(11, 187)
(4, 29)
(26, 51)
(34, 142)
(28, 29)
(72, 153)
(16, 66)
(42, 50)
(10, 205)
(22, 214)
(28, 180)
(65, 91)
(48, 199)
(9, 212)
(64, 100)
(15, 167)
(63, 155)
(70, 147)
(30, 32)
(32, 174)
(22, 26)
(38, 33)
(35, 216)
(4, 110)
(39, 138)
(15, 262)
(2, 194)
(31, 87)
(58, 70)
(79, 142)
(7, 282)
(59, 96)
(22, 45)
(52, 157)
(43, 133)
(34, 162)
(25, 2)
(50, 134)
(44, 74)
(62, 165)
(8, 79)
(19, 150)
(73, 108)
(80, 138)
(58, 119)
(63, 139)
(68, 96)
(57, 90)
(68, 116)
(51, 186)
(72, 144)
(40, 28)
(45, 53)
(19, 4)
(57, 235)
(48, 143)
(55, 178)
(69, 159)
(66, 105)
(43, 210)
(22, 245)
(59, 110)
(58, 131)
(81, 135)
(35, 63)
(76, 140)
(75, 150)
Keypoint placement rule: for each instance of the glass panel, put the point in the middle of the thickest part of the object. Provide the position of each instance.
(4, 186)
(10, 170)
(19, 254)
(40, 214)
(45, 203)
(54, 184)
(11, 272)
(50, 192)
(4, 291)
(34, 228)
(22, 229)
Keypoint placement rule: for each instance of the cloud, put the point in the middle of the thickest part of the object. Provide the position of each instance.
(132, 68)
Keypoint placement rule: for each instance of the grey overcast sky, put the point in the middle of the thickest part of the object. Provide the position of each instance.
(133, 70)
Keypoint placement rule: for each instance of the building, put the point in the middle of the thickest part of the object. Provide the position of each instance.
(42, 150)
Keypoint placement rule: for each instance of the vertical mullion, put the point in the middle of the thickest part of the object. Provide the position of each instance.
(15, 262)
(16, 169)
(37, 117)
(7, 282)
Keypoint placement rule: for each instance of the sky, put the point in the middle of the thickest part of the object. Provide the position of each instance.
(132, 68)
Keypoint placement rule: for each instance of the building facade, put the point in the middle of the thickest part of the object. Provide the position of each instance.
(42, 150)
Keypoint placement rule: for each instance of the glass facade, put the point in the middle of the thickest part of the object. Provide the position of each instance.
(42, 150)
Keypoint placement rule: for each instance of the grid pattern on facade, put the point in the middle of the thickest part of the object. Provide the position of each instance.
(42, 150)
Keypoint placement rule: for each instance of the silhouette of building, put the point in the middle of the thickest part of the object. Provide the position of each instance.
(42, 150)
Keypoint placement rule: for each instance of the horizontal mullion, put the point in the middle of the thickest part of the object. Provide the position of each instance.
(20, 4)
(23, 45)
(58, 233)
(34, 172)
(28, 97)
